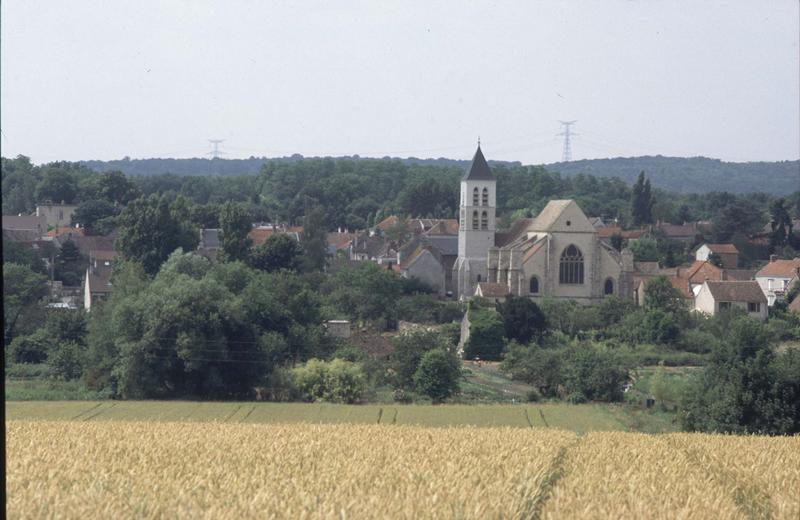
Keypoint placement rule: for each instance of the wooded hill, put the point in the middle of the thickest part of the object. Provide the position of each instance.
(678, 174)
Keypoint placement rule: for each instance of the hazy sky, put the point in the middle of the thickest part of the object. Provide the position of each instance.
(106, 79)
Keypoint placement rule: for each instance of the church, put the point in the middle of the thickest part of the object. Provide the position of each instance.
(558, 254)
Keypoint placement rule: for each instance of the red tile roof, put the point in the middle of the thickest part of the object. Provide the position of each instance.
(388, 222)
(782, 268)
(492, 290)
(58, 231)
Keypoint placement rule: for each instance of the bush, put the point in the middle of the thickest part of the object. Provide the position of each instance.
(349, 353)
(409, 349)
(523, 321)
(699, 341)
(65, 361)
(438, 375)
(336, 381)
(486, 336)
(597, 375)
(536, 366)
(532, 396)
(30, 349)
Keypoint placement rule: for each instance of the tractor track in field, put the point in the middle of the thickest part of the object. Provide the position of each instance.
(98, 412)
(555, 472)
(86, 411)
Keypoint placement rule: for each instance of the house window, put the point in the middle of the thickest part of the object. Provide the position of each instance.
(724, 306)
(474, 220)
(571, 267)
(534, 285)
(753, 307)
(485, 197)
(484, 220)
(769, 283)
(475, 196)
(608, 288)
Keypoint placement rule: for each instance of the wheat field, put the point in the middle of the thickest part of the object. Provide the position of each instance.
(120, 469)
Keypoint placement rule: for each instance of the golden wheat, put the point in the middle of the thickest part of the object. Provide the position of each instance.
(164, 470)
(212, 470)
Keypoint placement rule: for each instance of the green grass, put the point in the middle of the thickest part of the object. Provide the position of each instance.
(48, 390)
(579, 418)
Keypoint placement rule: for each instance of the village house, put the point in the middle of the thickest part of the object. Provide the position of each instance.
(715, 297)
(56, 215)
(97, 284)
(727, 253)
(774, 277)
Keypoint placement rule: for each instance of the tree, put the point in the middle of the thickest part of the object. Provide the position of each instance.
(746, 387)
(684, 214)
(645, 250)
(149, 231)
(315, 237)
(522, 319)
(70, 264)
(23, 254)
(438, 375)
(22, 289)
(90, 212)
(115, 188)
(278, 252)
(780, 222)
(659, 293)
(486, 335)
(236, 223)
(642, 202)
(738, 217)
(57, 185)
(409, 349)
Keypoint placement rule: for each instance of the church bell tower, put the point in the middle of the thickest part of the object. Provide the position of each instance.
(476, 227)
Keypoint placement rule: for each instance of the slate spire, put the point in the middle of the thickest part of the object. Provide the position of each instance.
(479, 169)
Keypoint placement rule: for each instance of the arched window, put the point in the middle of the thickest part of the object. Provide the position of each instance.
(485, 197)
(474, 220)
(534, 287)
(608, 288)
(479, 278)
(475, 196)
(484, 220)
(570, 270)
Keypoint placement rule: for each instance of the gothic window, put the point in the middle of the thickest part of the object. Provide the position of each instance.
(484, 221)
(534, 285)
(474, 220)
(571, 267)
(485, 197)
(479, 278)
(608, 288)
(475, 196)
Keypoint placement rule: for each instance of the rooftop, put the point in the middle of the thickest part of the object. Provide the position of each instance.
(729, 291)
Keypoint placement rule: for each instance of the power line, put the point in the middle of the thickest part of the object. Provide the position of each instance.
(566, 156)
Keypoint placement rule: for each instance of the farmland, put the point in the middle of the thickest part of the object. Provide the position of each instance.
(578, 418)
(151, 468)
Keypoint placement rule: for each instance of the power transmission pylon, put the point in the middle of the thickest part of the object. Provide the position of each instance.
(566, 156)
(215, 153)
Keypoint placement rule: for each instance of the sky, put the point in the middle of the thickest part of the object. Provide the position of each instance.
(105, 80)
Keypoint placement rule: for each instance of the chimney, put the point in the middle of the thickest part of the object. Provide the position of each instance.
(773, 258)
